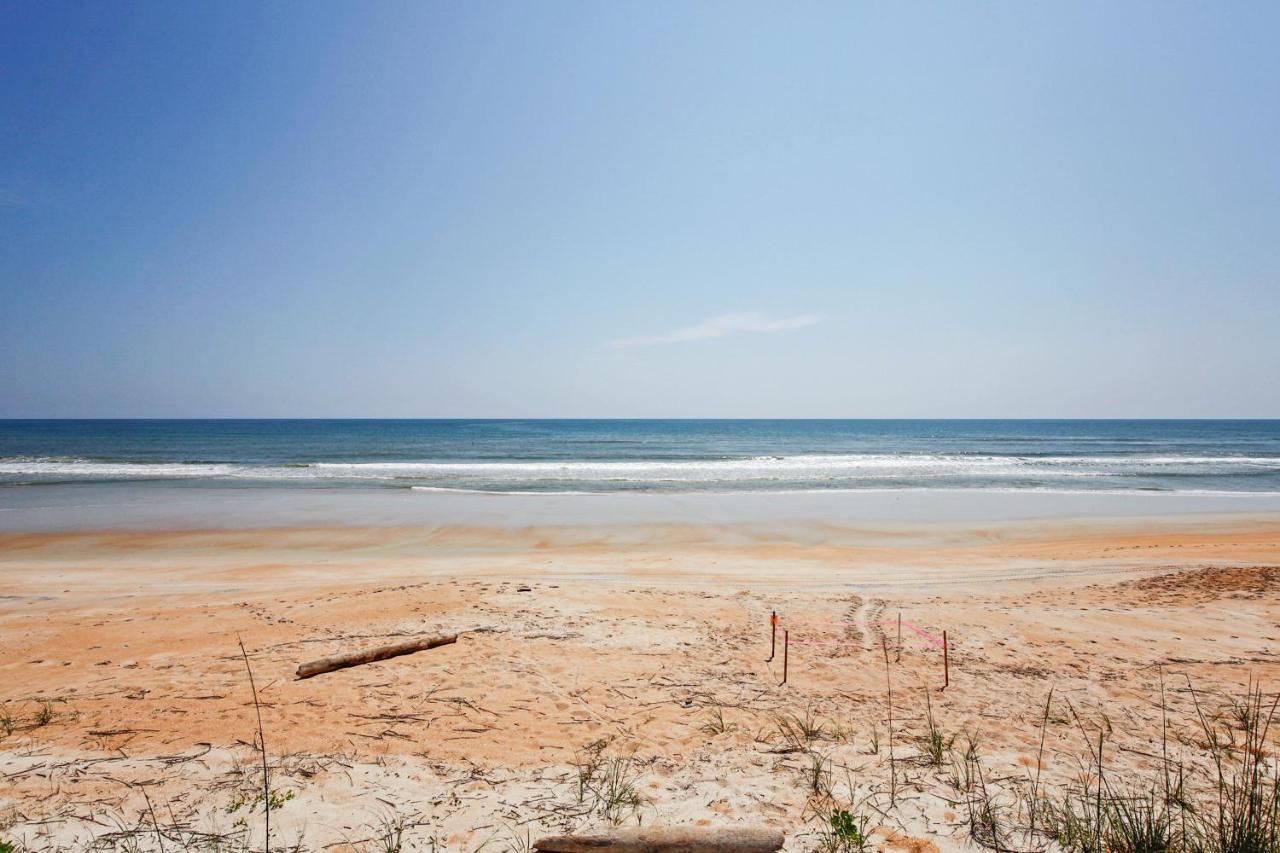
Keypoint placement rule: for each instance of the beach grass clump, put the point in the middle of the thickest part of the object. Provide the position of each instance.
(797, 731)
(1141, 822)
(607, 785)
(1237, 809)
(986, 814)
(1246, 817)
(934, 746)
(44, 714)
(389, 832)
(817, 774)
(1102, 818)
(841, 733)
(964, 767)
(7, 722)
(587, 766)
(615, 792)
(715, 723)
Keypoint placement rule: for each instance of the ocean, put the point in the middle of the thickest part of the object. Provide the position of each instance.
(664, 456)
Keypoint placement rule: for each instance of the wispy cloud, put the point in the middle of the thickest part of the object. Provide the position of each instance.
(721, 325)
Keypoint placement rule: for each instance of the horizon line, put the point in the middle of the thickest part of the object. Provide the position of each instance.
(562, 419)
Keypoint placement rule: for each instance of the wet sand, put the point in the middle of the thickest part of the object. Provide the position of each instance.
(643, 644)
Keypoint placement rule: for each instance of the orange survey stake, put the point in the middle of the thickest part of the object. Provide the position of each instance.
(773, 634)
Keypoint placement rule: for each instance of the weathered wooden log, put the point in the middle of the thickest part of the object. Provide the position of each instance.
(682, 839)
(342, 661)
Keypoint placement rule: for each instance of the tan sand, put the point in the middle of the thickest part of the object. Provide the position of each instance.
(631, 643)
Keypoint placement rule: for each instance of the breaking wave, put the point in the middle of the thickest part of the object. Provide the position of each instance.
(1149, 472)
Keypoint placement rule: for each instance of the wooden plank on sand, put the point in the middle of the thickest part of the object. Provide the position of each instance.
(342, 661)
(672, 840)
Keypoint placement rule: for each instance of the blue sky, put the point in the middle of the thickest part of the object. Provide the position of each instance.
(639, 209)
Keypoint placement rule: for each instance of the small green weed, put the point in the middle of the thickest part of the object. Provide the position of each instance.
(844, 832)
(278, 799)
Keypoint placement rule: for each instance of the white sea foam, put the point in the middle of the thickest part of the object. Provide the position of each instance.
(808, 462)
(496, 492)
(796, 471)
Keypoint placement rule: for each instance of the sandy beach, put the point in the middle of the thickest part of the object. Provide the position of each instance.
(634, 652)
(716, 427)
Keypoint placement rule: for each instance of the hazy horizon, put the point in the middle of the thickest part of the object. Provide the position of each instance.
(661, 211)
(606, 419)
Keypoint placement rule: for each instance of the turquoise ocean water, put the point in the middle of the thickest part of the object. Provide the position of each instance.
(677, 456)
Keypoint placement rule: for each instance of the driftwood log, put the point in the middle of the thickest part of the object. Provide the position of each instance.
(332, 662)
(673, 840)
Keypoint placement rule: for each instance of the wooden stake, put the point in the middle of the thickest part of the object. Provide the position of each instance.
(786, 647)
(773, 635)
(946, 662)
(898, 659)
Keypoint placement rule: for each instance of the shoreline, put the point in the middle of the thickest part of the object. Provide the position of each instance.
(164, 506)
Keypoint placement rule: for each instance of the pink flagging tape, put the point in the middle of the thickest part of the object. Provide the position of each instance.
(819, 621)
(847, 642)
(934, 639)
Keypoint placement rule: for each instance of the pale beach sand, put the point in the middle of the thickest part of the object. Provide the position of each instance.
(634, 640)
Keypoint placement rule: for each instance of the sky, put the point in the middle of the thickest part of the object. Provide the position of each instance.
(639, 209)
